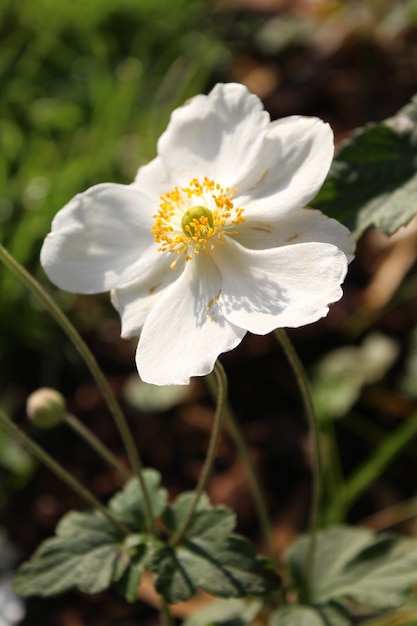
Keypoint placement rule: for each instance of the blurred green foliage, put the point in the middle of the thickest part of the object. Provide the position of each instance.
(87, 88)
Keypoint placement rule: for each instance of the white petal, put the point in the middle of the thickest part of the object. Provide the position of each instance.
(97, 239)
(296, 158)
(218, 136)
(135, 301)
(289, 286)
(300, 226)
(133, 308)
(185, 331)
(153, 177)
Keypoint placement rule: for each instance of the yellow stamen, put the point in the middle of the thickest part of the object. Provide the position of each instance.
(195, 218)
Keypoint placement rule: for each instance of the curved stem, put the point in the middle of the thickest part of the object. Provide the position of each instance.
(60, 471)
(94, 442)
(211, 453)
(368, 472)
(95, 370)
(302, 380)
(255, 485)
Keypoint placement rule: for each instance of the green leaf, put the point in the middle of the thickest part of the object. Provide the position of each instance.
(226, 613)
(89, 553)
(404, 616)
(208, 557)
(228, 569)
(334, 614)
(296, 616)
(153, 398)
(326, 615)
(128, 505)
(128, 578)
(377, 571)
(208, 523)
(373, 178)
(84, 554)
(340, 376)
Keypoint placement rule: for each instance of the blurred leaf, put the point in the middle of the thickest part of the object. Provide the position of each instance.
(86, 100)
(296, 616)
(334, 614)
(340, 376)
(377, 571)
(14, 457)
(153, 398)
(405, 616)
(327, 615)
(373, 179)
(226, 613)
(128, 578)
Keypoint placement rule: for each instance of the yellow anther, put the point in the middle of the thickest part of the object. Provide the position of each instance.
(195, 218)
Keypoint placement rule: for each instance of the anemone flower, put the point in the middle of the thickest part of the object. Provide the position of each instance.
(212, 239)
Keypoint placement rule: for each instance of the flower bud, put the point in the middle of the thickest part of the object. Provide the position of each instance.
(46, 407)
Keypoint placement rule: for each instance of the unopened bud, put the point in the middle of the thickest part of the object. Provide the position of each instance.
(46, 407)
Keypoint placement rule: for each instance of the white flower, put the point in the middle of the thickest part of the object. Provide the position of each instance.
(212, 239)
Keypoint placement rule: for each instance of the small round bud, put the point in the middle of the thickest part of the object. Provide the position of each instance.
(46, 407)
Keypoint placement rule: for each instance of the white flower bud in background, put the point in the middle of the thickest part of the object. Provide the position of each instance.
(46, 407)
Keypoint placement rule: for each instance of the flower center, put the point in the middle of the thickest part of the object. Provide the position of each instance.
(195, 218)
(197, 221)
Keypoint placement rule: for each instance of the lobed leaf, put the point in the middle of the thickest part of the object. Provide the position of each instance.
(296, 616)
(228, 568)
(209, 556)
(373, 178)
(90, 553)
(210, 523)
(83, 554)
(377, 571)
(128, 505)
(327, 615)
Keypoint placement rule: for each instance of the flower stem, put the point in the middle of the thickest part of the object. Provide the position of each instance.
(94, 442)
(165, 613)
(301, 377)
(257, 491)
(60, 471)
(211, 452)
(95, 370)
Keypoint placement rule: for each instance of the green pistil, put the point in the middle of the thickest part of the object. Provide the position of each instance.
(196, 220)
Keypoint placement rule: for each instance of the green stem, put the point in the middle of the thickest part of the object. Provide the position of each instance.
(89, 359)
(333, 472)
(211, 453)
(60, 471)
(302, 381)
(166, 616)
(95, 443)
(370, 470)
(255, 485)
